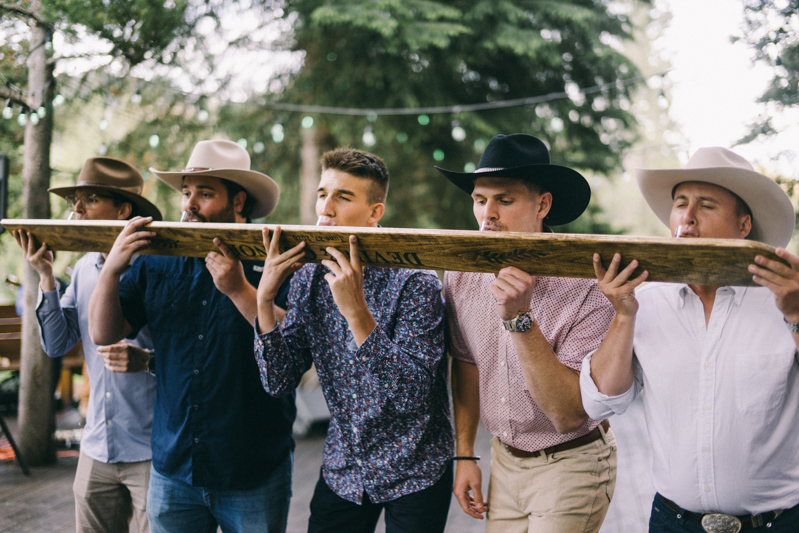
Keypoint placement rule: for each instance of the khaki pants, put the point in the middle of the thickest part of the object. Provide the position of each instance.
(109, 496)
(563, 492)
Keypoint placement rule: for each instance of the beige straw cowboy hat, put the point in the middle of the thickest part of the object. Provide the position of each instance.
(116, 176)
(227, 160)
(773, 217)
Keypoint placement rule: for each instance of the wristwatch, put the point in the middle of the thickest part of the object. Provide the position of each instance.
(793, 328)
(520, 323)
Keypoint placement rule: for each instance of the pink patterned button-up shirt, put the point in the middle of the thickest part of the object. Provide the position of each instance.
(573, 316)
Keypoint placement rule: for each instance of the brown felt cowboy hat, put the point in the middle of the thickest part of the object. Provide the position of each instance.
(773, 217)
(227, 160)
(116, 176)
(525, 157)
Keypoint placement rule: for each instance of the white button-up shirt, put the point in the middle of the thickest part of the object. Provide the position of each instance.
(721, 401)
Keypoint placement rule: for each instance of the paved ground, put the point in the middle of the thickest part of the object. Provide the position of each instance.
(43, 502)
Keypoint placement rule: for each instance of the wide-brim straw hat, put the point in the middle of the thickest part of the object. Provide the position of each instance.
(227, 160)
(525, 157)
(116, 176)
(773, 216)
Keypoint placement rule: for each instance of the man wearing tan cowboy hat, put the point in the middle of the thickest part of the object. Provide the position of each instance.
(719, 364)
(114, 466)
(222, 446)
(517, 343)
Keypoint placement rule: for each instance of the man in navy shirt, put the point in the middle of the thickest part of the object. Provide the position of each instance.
(222, 447)
(376, 336)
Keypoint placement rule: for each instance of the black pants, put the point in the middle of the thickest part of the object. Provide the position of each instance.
(425, 510)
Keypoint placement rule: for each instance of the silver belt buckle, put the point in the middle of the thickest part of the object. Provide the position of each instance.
(721, 523)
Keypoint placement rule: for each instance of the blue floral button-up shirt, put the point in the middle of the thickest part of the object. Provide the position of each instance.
(390, 432)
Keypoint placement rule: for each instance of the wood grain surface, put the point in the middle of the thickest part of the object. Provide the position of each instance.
(701, 261)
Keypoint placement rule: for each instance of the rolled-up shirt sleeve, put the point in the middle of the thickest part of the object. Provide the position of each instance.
(600, 406)
(59, 329)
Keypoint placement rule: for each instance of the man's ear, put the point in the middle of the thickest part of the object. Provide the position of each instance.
(744, 225)
(378, 210)
(544, 205)
(124, 211)
(238, 202)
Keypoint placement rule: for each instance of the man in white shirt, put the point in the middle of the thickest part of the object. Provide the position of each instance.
(719, 364)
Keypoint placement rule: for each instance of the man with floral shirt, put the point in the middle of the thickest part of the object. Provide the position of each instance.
(376, 336)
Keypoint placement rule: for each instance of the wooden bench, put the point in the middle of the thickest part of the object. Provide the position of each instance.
(11, 350)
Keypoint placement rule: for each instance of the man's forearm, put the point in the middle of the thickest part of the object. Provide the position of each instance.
(555, 388)
(466, 406)
(106, 320)
(612, 364)
(246, 301)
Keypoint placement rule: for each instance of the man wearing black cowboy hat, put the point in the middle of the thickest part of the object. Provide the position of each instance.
(222, 446)
(114, 466)
(517, 343)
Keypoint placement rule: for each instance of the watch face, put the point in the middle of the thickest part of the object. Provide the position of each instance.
(524, 322)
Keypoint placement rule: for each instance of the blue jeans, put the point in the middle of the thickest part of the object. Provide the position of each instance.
(425, 510)
(173, 505)
(664, 520)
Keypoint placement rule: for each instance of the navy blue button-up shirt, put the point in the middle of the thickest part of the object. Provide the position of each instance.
(390, 432)
(214, 426)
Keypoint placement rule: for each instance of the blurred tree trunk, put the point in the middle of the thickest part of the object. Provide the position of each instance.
(36, 404)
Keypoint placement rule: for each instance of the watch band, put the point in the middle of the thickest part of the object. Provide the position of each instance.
(793, 328)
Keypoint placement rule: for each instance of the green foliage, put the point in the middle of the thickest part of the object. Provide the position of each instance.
(137, 30)
(771, 30)
(370, 54)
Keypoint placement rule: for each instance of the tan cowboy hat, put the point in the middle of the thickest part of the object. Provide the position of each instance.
(116, 176)
(772, 211)
(227, 160)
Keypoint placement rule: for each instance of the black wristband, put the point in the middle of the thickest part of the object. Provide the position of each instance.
(466, 458)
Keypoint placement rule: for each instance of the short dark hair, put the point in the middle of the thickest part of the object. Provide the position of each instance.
(362, 165)
(741, 208)
(118, 200)
(232, 190)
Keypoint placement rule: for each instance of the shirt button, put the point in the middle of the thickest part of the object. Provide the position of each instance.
(354, 395)
(701, 325)
(707, 364)
(352, 361)
(704, 448)
(200, 337)
(107, 394)
(196, 406)
(386, 385)
(205, 303)
(196, 441)
(707, 488)
(502, 363)
(504, 433)
(502, 400)
(363, 358)
(706, 406)
(196, 371)
(358, 462)
(268, 341)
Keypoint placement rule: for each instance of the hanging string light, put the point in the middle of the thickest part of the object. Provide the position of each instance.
(369, 138)
(8, 110)
(277, 133)
(22, 119)
(458, 133)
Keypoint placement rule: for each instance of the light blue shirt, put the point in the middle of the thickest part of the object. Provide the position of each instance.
(120, 417)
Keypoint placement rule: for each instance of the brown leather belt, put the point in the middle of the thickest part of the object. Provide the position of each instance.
(589, 437)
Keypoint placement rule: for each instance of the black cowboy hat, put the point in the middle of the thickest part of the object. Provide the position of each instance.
(525, 157)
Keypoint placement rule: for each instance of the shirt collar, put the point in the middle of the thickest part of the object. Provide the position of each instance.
(682, 290)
